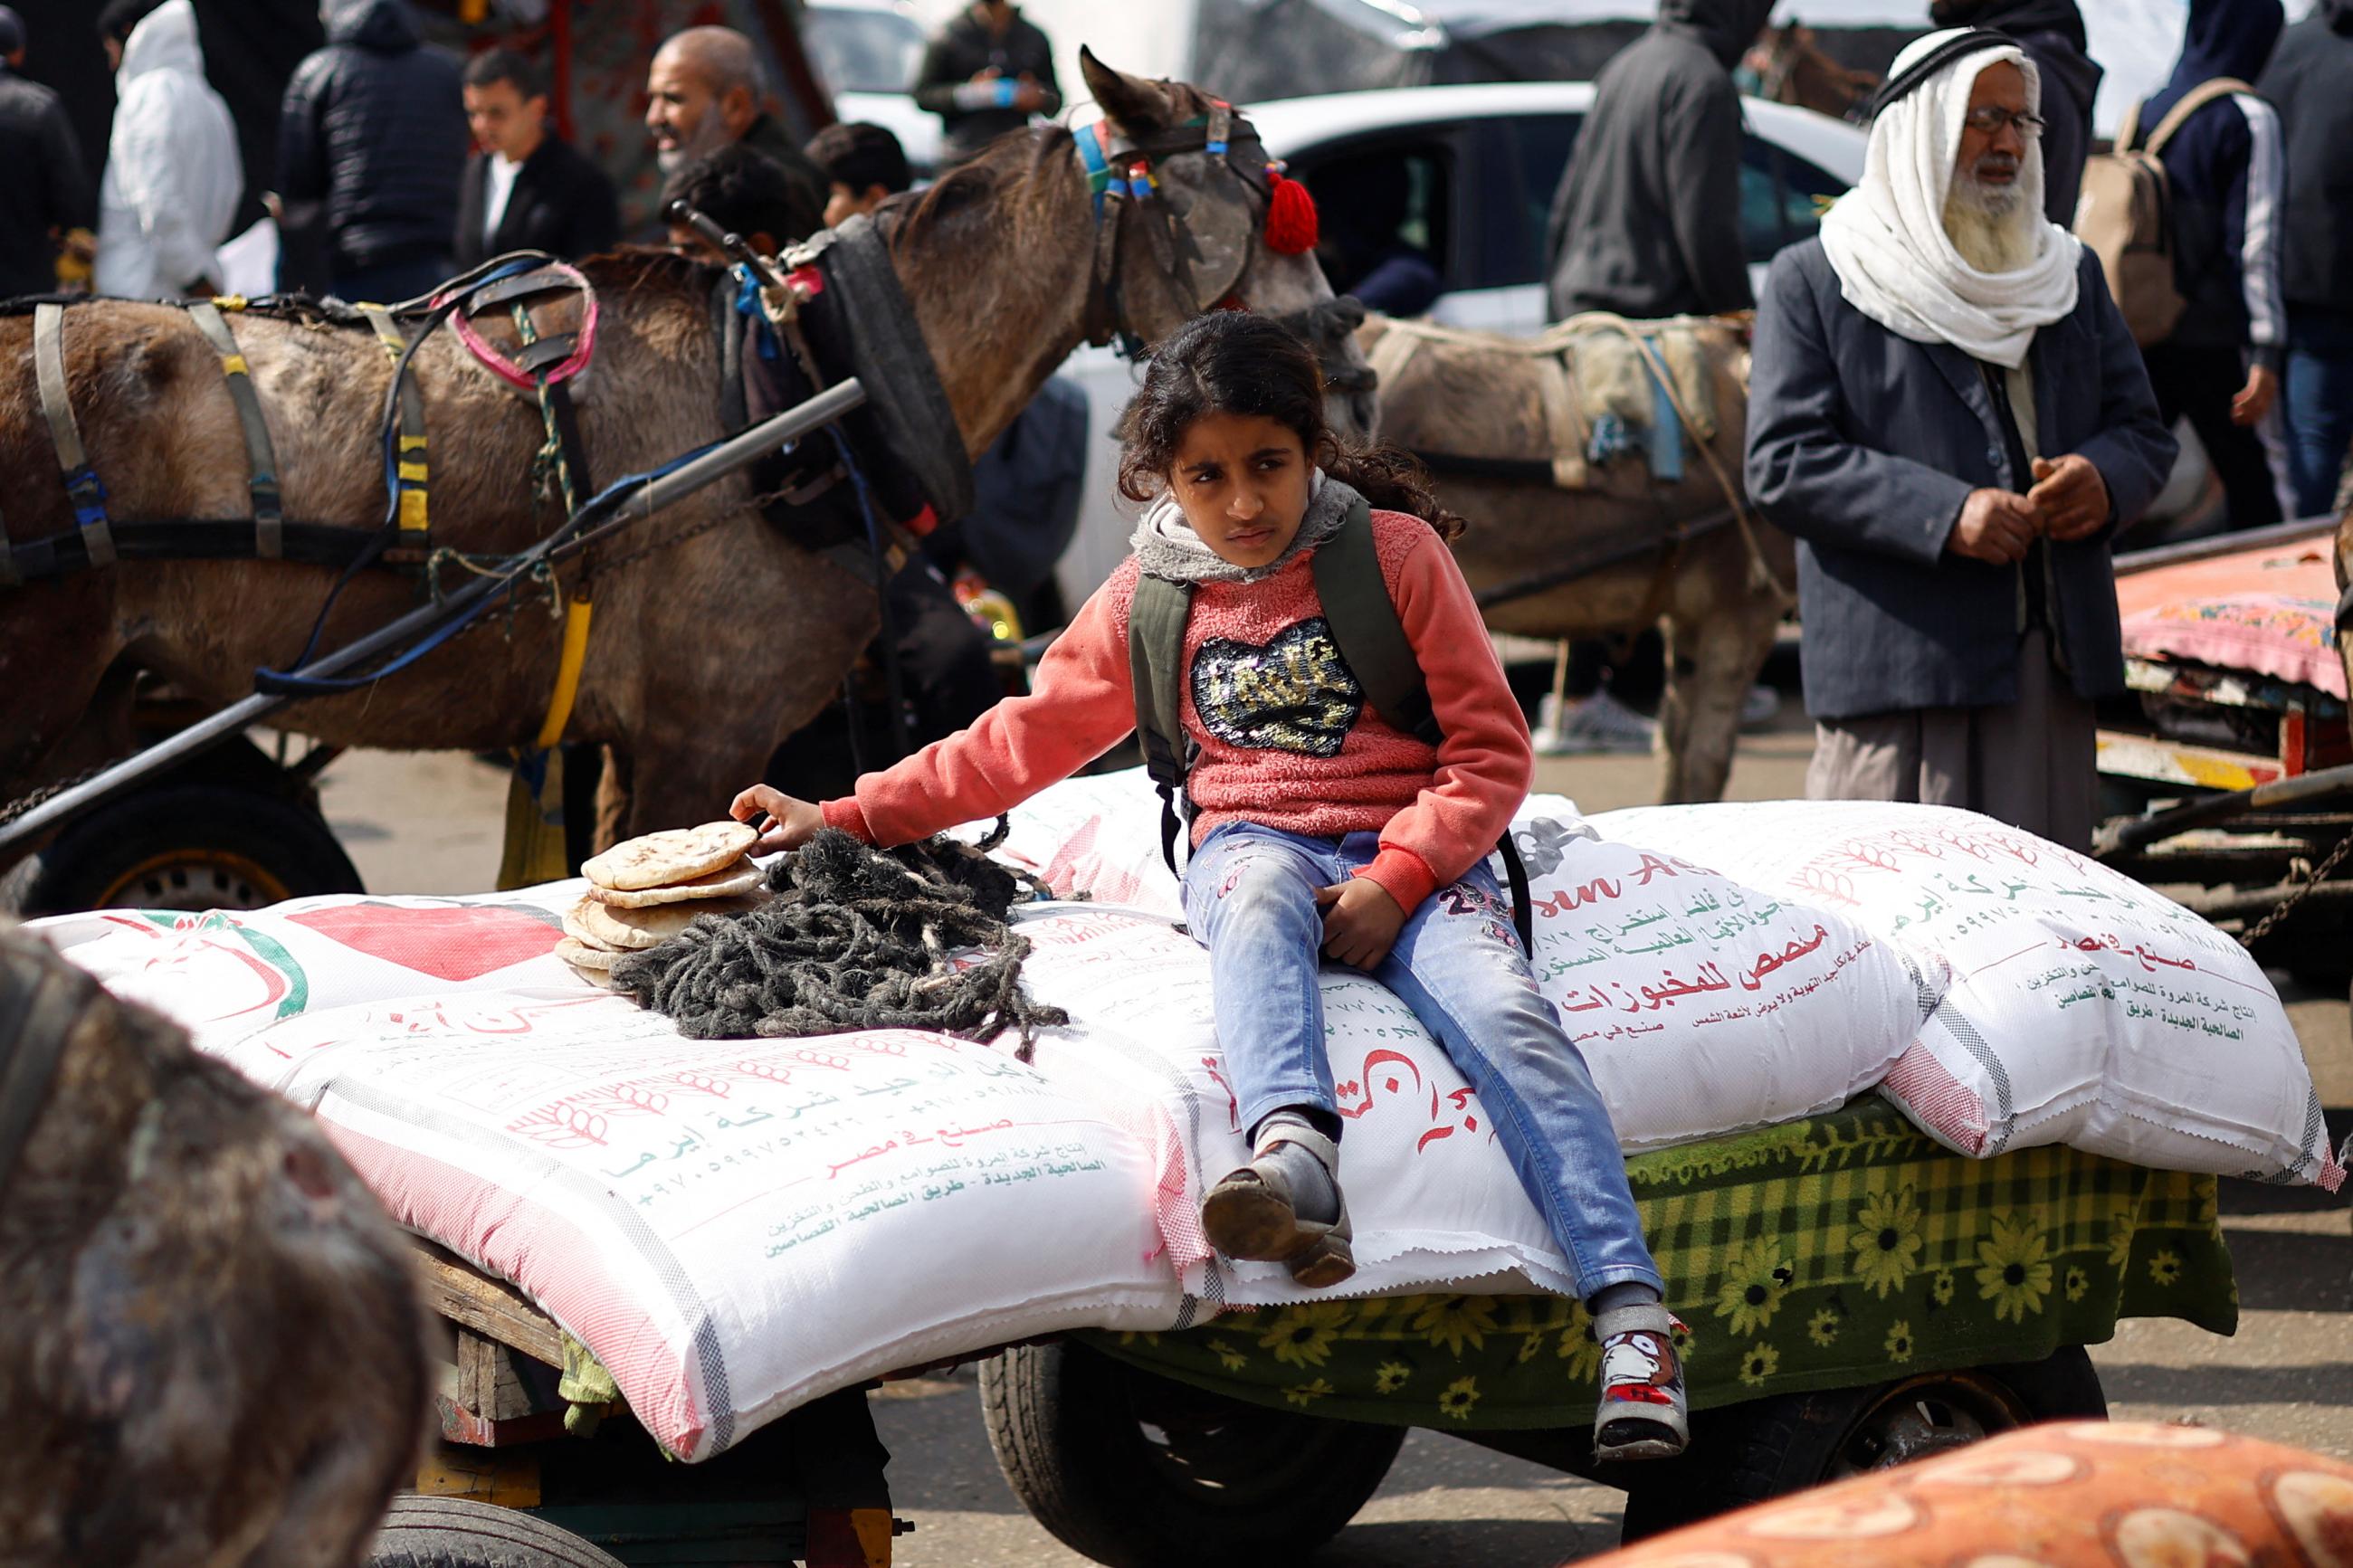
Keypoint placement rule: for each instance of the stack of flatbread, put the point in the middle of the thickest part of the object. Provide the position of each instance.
(643, 892)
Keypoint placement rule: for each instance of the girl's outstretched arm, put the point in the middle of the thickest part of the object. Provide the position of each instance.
(1484, 764)
(1083, 703)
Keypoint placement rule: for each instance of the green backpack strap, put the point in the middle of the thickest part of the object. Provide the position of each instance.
(1364, 622)
(1371, 638)
(1155, 656)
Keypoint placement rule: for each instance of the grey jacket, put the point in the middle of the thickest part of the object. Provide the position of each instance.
(1864, 445)
(1646, 221)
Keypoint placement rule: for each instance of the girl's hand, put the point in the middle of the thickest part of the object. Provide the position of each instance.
(1361, 922)
(792, 823)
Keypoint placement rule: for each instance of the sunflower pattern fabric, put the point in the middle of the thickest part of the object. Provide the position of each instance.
(1845, 1249)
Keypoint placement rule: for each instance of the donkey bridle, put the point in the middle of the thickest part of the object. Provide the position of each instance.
(1122, 166)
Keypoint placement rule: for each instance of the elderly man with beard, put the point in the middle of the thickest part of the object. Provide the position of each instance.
(702, 93)
(1949, 412)
(2052, 34)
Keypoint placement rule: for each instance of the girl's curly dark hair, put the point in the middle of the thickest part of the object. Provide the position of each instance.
(1230, 361)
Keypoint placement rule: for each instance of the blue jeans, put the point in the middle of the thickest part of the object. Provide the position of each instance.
(2316, 408)
(1250, 897)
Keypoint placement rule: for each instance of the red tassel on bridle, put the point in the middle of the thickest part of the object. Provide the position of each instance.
(1290, 215)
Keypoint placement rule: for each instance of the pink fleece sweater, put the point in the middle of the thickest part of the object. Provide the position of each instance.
(1286, 736)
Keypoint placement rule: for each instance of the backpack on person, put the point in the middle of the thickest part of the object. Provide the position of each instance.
(1372, 640)
(2126, 215)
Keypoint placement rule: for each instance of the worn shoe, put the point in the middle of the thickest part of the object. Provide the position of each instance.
(1587, 724)
(1643, 1414)
(1251, 1213)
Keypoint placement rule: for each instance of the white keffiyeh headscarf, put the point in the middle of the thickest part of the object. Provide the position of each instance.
(1887, 237)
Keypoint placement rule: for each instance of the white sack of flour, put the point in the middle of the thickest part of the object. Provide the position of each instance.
(2077, 1006)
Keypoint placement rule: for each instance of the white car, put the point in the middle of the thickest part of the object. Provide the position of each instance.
(868, 52)
(1480, 165)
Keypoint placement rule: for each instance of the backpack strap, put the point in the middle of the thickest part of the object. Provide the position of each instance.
(1155, 655)
(1365, 624)
(2129, 129)
(2195, 99)
(1371, 638)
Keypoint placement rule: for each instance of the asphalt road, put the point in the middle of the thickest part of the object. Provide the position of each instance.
(430, 824)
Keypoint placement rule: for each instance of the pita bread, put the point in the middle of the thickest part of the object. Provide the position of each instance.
(728, 882)
(665, 859)
(596, 960)
(628, 930)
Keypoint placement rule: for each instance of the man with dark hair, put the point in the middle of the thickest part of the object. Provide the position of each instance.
(527, 189)
(740, 190)
(702, 93)
(45, 193)
(987, 73)
(373, 131)
(863, 164)
(2052, 34)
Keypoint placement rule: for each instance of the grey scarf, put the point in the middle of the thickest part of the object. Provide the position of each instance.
(1167, 547)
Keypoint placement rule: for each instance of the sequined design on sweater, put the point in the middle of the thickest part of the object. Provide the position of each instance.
(1294, 694)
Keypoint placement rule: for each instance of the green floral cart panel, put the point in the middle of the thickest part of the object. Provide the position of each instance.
(1846, 1249)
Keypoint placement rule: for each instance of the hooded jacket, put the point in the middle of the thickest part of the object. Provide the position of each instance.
(2051, 33)
(1646, 221)
(374, 126)
(2226, 173)
(2310, 83)
(173, 174)
(46, 188)
(965, 48)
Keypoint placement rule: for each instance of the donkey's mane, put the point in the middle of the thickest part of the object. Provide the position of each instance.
(1006, 170)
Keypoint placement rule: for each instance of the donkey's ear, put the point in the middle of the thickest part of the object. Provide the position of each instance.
(1129, 102)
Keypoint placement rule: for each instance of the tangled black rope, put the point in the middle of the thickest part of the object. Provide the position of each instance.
(856, 938)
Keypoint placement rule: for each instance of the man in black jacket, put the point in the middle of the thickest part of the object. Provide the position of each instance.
(2051, 32)
(527, 189)
(985, 74)
(2310, 82)
(1647, 219)
(45, 193)
(373, 130)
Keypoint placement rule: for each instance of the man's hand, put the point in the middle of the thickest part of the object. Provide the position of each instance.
(2255, 399)
(1994, 527)
(1029, 97)
(1361, 922)
(791, 822)
(2070, 496)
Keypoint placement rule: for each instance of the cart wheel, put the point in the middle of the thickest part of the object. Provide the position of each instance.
(452, 1532)
(1135, 1470)
(187, 846)
(1747, 1453)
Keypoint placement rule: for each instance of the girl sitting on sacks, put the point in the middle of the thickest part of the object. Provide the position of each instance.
(1315, 824)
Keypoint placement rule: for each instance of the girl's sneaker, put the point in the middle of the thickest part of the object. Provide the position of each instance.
(1252, 1214)
(1643, 1414)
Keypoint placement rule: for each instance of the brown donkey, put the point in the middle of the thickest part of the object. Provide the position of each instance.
(704, 654)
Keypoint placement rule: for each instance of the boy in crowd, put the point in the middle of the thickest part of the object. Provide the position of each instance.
(863, 164)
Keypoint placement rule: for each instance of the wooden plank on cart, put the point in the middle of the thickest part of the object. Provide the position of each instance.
(491, 1308)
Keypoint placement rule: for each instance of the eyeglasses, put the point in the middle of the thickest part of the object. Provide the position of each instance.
(1989, 119)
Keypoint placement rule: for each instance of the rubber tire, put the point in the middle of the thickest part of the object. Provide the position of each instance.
(1064, 1422)
(452, 1532)
(1764, 1448)
(289, 840)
